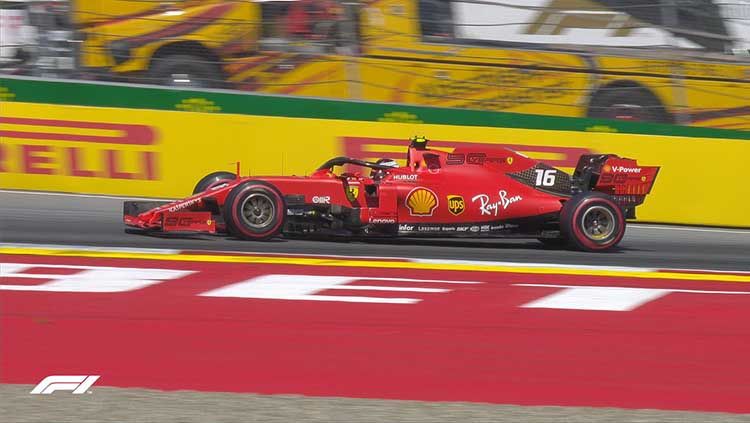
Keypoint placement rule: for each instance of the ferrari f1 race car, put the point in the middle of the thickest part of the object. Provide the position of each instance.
(469, 192)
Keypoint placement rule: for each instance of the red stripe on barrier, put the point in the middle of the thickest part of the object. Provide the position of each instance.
(131, 134)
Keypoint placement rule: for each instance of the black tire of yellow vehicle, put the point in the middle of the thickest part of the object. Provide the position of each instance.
(194, 71)
(611, 101)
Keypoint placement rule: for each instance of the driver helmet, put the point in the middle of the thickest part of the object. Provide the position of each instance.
(378, 174)
(419, 142)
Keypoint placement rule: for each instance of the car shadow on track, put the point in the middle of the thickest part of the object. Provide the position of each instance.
(447, 243)
(495, 244)
(468, 243)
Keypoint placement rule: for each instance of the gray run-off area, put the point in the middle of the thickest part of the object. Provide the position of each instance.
(117, 405)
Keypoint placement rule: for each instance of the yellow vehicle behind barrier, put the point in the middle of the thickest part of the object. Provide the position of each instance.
(164, 40)
(395, 51)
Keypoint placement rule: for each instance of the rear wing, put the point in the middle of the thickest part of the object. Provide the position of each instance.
(624, 179)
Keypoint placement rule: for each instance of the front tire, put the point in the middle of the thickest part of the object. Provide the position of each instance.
(592, 221)
(254, 211)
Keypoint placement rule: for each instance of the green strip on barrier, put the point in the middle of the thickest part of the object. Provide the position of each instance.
(161, 98)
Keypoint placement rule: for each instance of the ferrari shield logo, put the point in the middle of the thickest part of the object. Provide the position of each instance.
(352, 192)
(456, 204)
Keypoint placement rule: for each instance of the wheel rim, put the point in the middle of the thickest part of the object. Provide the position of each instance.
(258, 210)
(598, 223)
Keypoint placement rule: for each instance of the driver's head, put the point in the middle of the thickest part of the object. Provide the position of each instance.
(378, 174)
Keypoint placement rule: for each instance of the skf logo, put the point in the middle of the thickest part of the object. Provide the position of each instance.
(421, 202)
(77, 384)
(456, 204)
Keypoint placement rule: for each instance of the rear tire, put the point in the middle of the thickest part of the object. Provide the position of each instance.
(211, 179)
(592, 221)
(254, 211)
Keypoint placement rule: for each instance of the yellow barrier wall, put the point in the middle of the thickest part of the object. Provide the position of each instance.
(154, 153)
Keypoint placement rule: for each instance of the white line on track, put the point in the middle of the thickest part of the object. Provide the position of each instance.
(365, 258)
(488, 263)
(89, 248)
(540, 265)
(420, 280)
(194, 251)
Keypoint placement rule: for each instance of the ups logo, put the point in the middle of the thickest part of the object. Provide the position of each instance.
(456, 204)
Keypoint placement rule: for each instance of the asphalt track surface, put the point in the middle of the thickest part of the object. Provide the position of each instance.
(97, 221)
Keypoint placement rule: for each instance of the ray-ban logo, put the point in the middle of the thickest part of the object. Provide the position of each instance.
(77, 384)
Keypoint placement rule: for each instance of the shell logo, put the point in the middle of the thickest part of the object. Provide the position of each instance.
(607, 168)
(421, 202)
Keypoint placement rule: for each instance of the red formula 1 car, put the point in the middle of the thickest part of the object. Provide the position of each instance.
(466, 193)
